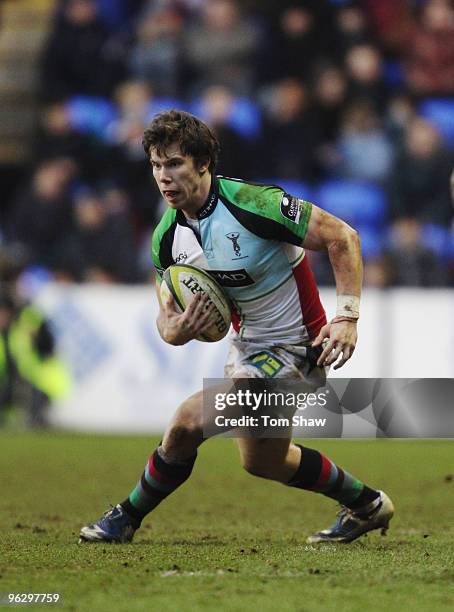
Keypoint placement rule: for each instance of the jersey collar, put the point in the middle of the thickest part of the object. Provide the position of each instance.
(207, 208)
(211, 201)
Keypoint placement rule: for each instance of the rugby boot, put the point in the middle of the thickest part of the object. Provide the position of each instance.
(115, 525)
(350, 525)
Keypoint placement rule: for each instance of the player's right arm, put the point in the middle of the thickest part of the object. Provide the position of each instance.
(178, 328)
(326, 232)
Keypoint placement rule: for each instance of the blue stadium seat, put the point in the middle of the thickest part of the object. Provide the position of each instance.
(245, 117)
(372, 241)
(438, 239)
(440, 111)
(296, 188)
(113, 13)
(393, 73)
(91, 115)
(161, 104)
(357, 202)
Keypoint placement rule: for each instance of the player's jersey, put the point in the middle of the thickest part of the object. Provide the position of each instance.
(248, 237)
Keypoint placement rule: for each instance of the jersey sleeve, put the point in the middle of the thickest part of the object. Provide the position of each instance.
(267, 210)
(155, 257)
(161, 243)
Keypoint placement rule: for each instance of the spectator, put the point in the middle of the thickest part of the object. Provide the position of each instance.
(217, 110)
(410, 263)
(80, 57)
(13, 260)
(330, 92)
(392, 21)
(429, 56)
(365, 150)
(352, 26)
(156, 54)
(133, 99)
(377, 273)
(30, 373)
(288, 146)
(11, 176)
(399, 113)
(127, 164)
(100, 247)
(40, 217)
(55, 137)
(297, 44)
(364, 66)
(221, 48)
(419, 183)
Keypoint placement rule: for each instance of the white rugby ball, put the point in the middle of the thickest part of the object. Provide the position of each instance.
(184, 282)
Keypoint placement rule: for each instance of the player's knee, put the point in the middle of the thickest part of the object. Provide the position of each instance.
(256, 466)
(185, 430)
(187, 424)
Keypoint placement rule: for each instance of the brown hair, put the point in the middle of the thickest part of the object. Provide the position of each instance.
(192, 135)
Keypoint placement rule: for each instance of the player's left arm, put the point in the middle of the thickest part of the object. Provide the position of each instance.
(326, 232)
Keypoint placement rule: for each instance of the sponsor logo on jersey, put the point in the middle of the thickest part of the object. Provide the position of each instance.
(232, 278)
(291, 208)
(181, 257)
(233, 236)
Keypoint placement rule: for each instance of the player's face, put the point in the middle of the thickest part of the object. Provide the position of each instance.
(178, 179)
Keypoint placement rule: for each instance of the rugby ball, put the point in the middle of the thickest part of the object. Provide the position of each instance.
(184, 282)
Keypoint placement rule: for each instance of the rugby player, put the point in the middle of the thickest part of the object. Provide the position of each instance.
(260, 232)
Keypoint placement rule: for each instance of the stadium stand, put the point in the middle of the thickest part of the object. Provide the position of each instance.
(312, 113)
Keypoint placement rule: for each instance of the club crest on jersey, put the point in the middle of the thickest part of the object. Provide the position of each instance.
(290, 208)
(233, 236)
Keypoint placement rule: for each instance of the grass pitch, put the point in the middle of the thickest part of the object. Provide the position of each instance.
(225, 540)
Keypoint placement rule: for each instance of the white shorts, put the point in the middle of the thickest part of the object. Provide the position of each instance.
(294, 362)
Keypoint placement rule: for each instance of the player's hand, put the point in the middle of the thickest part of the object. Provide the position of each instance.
(341, 339)
(178, 328)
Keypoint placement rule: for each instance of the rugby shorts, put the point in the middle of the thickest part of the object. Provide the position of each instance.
(248, 359)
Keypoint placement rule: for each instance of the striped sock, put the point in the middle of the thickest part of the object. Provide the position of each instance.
(317, 473)
(159, 479)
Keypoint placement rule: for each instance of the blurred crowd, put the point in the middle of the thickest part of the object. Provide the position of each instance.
(349, 104)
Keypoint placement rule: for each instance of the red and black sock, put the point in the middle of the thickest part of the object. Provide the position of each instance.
(159, 479)
(319, 474)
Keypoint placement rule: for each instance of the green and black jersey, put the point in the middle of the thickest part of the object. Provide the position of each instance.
(248, 237)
